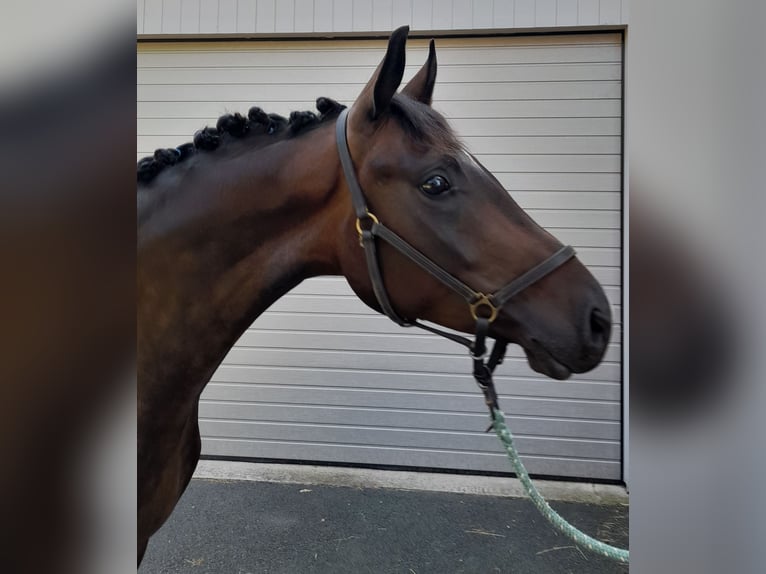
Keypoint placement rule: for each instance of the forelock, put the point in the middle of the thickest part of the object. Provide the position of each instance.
(425, 125)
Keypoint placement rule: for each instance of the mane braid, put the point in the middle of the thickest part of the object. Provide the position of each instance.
(238, 126)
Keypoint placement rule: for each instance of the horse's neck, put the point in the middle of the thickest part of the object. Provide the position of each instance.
(224, 248)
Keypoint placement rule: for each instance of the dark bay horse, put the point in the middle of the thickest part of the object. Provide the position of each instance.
(230, 223)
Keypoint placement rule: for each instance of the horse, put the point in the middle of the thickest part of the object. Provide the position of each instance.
(233, 221)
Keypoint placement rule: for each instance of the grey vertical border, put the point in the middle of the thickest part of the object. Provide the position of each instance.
(625, 283)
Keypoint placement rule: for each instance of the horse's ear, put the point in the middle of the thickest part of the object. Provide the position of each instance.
(376, 95)
(421, 86)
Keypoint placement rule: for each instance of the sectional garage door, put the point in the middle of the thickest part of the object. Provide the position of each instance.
(320, 377)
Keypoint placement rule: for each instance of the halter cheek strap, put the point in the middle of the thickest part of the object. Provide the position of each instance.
(484, 308)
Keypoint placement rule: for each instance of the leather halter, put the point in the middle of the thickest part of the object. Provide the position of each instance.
(484, 307)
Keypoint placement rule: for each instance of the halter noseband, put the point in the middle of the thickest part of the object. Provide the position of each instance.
(484, 307)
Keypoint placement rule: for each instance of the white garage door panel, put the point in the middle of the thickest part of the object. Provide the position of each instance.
(601, 108)
(396, 375)
(328, 75)
(404, 419)
(537, 126)
(526, 50)
(182, 127)
(590, 238)
(543, 145)
(245, 93)
(410, 362)
(550, 163)
(406, 438)
(320, 376)
(593, 219)
(510, 145)
(422, 400)
(594, 50)
(368, 324)
(409, 381)
(349, 306)
(276, 339)
(526, 181)
(257, 338)
(348, 303)
(204, 111)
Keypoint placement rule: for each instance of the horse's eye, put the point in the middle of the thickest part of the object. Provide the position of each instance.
(434, 185)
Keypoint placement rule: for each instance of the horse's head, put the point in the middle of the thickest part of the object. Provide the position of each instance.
(421, 183)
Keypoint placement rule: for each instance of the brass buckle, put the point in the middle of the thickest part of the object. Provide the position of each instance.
(483, 300)
(369, 216)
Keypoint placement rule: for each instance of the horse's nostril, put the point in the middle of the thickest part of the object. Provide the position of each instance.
(600, 327)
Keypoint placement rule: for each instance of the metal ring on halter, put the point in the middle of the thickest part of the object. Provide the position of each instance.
(369, 216)
(477, 357)
(483, 301)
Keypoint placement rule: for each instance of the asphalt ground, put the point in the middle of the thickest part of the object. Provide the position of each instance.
(247, 527)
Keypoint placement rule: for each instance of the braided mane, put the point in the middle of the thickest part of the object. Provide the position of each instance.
(237, 126)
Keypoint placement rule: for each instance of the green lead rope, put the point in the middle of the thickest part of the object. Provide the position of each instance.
(579, 537)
